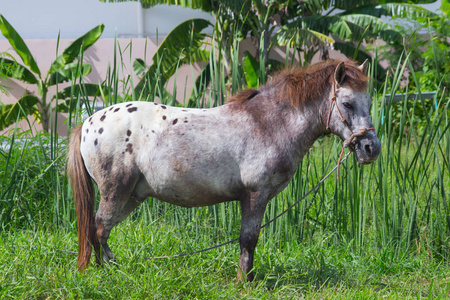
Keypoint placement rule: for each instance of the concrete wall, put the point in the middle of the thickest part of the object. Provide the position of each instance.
(44, 19)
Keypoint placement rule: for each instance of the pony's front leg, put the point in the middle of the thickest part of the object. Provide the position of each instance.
(253, 207)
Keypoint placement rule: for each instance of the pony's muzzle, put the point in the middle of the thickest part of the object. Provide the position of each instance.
(367, 148)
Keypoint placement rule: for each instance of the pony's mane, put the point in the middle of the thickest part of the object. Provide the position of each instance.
(299, 86)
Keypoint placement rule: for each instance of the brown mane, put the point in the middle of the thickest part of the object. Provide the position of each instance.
(299, 86)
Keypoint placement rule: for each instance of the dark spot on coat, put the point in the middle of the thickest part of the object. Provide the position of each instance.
(102, 118)
(153, 131)
(87, 130)
(90, 119)
(141, 127)
(128, 132)
(175, 121)
(127, 139)
(164, 117)
(91, 123)
(84, 138)
(184, 110)
(106, 165)
(117, 109)
(100, 130)
(128, 105)
(131, 109)
(111, 107)
(95, 142)
(185, 121)
(95, 130)
(129, 148)
(163, 106)
(155, 103)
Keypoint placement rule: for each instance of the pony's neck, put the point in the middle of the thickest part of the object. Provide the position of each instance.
(311, 122)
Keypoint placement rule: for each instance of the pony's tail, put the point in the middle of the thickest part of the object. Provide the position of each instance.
(83, 194)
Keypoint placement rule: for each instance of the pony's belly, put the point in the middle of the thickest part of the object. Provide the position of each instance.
(186, 192)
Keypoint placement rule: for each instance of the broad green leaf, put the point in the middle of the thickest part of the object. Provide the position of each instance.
(18, 44)
(445, 7)
(76, 47)
(10, 113)
(69, 72)
(139, 66)
(399, 10)
(251, 69)
(181, 46)
(326, 25)
(12, 69)
(376, 25)
(300, 37)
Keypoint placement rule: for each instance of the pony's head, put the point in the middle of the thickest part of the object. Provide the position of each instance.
(348, 115)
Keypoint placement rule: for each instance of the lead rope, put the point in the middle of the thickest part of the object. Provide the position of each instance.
(271, 221)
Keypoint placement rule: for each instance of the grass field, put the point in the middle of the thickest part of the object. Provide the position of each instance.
(35, 265)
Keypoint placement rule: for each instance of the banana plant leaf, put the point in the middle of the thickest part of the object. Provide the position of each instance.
(181, 46)
(11, 113)
(69, 72)
(18, 44)
(139, 66)
(73, 51)
(13, 69)
(401, 10)
(250, 68)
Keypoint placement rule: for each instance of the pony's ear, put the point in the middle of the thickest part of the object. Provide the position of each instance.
(339, 74)
(364, 67)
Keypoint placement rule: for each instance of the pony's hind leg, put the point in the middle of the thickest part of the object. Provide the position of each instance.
(110, 213)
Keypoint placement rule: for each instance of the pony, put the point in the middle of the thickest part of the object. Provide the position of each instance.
(246, 150)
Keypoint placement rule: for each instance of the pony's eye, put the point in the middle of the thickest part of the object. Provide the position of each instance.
(347, 105)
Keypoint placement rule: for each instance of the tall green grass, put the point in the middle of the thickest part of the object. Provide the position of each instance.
(397, 206)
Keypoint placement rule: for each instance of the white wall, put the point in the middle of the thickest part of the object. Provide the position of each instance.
(72, 18)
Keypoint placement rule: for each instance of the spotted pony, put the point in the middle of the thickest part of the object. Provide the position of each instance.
(246, 150)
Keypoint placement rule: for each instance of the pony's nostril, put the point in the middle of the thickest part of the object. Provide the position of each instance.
(368, 149)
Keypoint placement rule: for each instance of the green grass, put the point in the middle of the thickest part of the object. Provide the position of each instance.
(34, 265)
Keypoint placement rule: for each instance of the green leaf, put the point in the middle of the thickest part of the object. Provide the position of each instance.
(69, 72)
(76, 47)
(12, 69)
(139, 66)
(399, 10)
(18, 44)
(251, 69)
(445, 7)
(181, 46)
(11, 113)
